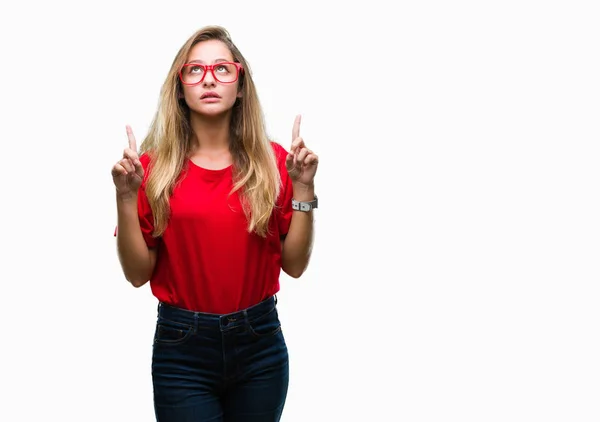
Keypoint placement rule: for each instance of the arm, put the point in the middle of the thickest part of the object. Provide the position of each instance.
(137, 260)
(301, 165)
(297, 246)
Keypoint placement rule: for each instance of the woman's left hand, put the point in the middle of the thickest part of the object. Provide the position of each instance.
(301, 162)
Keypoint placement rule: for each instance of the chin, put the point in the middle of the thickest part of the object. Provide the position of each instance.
(212, 110)
(206, 112)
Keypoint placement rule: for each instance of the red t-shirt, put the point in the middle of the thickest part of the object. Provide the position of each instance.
(206, 259)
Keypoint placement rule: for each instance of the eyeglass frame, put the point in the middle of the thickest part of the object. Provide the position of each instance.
(211, 68)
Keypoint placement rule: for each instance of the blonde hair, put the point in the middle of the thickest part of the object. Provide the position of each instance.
(169, 141)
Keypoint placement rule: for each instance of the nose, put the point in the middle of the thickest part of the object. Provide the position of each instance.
(209, 79)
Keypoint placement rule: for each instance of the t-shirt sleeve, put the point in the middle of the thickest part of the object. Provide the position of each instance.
(145, 214)
(284, 201)
(146, 218)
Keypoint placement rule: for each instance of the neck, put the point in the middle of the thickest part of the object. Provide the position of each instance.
(211, 133)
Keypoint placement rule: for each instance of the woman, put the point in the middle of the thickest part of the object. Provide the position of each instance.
(210, 213)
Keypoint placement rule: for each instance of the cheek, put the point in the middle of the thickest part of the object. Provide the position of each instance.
(190, 92)
(230, 95)
(232, 91)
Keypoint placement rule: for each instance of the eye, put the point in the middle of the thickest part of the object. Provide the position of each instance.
(223, 68)
(195, 69)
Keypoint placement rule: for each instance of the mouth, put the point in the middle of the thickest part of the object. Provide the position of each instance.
(209, 95)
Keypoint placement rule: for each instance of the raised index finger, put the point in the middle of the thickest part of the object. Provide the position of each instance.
(132, 144)
(296, 129)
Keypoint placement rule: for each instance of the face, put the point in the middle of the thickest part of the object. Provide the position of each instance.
(210, 97)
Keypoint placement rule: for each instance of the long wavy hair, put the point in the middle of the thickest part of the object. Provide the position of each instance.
(169, 142)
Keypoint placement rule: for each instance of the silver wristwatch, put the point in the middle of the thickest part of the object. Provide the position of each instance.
(305, 206)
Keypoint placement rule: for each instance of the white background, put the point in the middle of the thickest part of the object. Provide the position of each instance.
(455, 272)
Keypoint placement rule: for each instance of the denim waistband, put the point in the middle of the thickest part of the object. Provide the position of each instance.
(217, 321)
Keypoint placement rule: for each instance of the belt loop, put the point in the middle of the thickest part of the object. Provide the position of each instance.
(275, 296)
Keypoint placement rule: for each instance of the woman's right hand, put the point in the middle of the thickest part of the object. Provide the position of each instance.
(128, 172)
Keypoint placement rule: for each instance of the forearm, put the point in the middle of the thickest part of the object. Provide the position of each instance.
(137, 261)
(298, 244)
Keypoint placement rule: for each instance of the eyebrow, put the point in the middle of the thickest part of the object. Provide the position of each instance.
(216, 61)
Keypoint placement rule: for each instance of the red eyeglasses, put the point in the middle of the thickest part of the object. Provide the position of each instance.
(224, 72)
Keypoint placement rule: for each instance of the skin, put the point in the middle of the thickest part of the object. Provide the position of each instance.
(137, 260)
(210, 123)
(210, 119)
(301, 164)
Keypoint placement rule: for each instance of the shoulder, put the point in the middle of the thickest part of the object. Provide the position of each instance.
(280, 156)
(280, 151)
(146, 160)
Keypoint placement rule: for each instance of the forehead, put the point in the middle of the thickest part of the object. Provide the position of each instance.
(209, 51)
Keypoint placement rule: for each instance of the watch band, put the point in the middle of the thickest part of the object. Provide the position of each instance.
(305, 206)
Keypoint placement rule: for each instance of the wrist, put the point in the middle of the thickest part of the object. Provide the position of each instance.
(303, 192)
(127, 198)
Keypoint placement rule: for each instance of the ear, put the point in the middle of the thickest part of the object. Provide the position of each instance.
(239, 94)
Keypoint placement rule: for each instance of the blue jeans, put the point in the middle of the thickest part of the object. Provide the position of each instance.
(221, 368)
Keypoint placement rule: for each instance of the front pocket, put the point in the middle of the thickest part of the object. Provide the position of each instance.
(265, 325)
(168, 332)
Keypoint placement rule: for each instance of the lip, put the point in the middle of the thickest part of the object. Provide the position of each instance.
(210, 95)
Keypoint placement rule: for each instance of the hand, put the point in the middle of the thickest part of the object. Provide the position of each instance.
(128, 172)
(301, 162)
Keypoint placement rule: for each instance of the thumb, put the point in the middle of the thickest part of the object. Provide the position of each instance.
(289, 161)
(139, 169)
